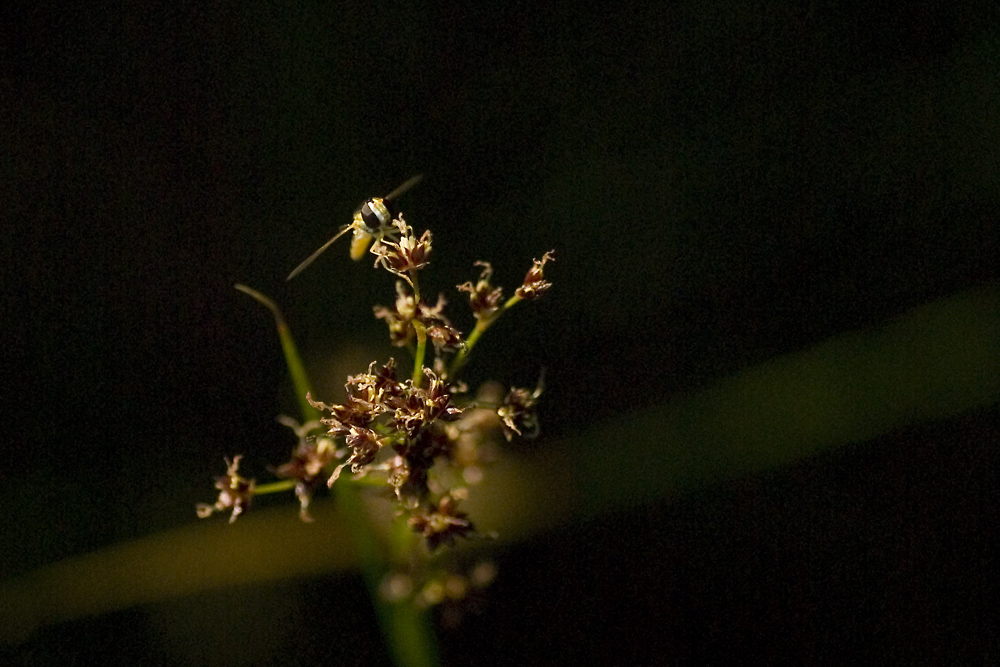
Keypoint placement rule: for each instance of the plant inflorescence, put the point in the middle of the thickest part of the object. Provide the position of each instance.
(421, 439)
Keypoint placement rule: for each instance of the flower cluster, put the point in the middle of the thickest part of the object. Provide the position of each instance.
(484, 298)
(310, 458)
(450, 589)
(535, 284)
(407, 256)
(235, 492)
(381, 411)
(518, 411)
(423, 432)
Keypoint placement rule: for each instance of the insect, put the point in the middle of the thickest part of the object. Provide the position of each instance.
(372, 222)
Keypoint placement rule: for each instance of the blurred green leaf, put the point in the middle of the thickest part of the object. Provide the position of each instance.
(935, 361)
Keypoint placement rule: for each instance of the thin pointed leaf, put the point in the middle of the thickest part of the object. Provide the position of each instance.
(297, 371)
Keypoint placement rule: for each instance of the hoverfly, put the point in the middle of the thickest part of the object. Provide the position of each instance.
(372, 222)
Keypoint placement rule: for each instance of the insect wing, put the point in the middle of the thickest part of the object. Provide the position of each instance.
(409, 183)
(312, 258)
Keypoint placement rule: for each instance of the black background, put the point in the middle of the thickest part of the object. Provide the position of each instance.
(722, 182)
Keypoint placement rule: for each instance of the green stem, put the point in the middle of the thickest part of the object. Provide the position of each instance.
(412, 629)
(274, 487)
(408, 630)
(418, 326)
(481, 326)
(418, 358)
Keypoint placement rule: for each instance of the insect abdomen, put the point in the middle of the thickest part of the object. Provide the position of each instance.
(359, 244)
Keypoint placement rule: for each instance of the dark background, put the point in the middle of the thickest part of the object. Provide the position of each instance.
(722, 182)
